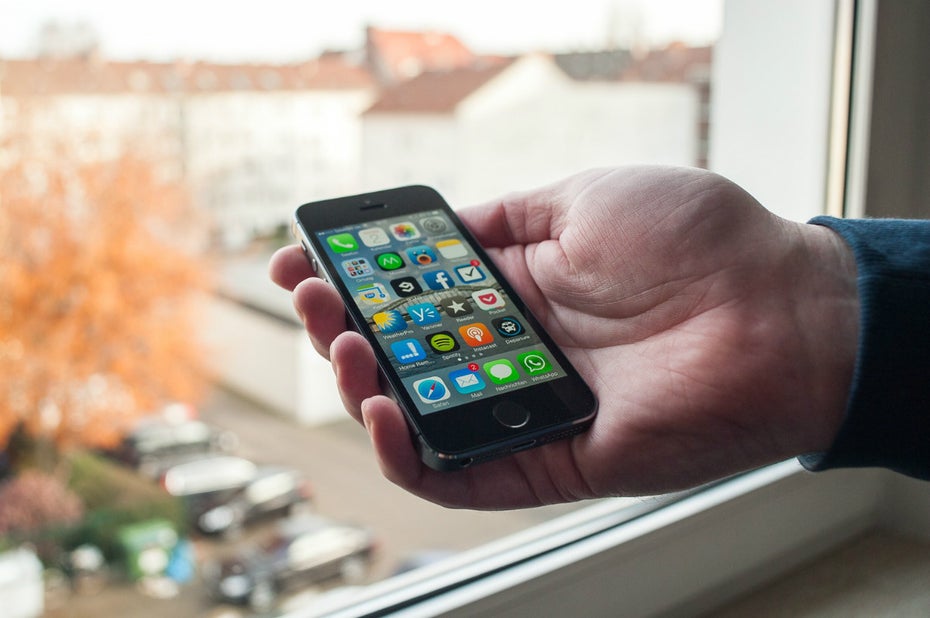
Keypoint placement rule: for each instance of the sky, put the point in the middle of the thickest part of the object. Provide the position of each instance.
(281, 30)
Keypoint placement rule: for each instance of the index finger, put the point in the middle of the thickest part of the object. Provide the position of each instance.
(289, 266)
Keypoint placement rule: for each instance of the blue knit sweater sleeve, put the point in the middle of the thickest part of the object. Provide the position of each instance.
(887, 420)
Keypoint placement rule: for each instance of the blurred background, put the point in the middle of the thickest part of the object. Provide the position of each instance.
(169, 441)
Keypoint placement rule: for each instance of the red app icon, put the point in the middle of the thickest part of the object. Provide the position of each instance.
(488, 299)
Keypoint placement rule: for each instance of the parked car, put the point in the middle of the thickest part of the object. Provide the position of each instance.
(223, 493)
(306, 550)
(272, 491)
(208, 475)
(157, 442)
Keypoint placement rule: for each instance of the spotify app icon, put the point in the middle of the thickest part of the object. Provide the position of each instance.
(442, 342)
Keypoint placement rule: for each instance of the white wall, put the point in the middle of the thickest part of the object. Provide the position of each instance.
(253, 157)
(402, 149)
(574, 128)
(271, 362)
(96, 127)
(529, 126)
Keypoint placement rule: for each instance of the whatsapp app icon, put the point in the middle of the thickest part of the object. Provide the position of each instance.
(534, 362)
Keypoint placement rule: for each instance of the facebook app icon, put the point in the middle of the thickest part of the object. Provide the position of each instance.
(438, 280)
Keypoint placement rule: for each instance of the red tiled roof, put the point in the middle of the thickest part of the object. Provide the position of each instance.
(436, 92)
(92, 76)
(402, 55)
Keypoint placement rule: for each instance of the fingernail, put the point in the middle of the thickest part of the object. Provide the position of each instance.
(365, 420)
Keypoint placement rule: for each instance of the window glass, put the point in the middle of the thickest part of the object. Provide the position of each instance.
(169, 440)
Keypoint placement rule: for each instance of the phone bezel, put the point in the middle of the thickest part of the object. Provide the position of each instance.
(465, 432)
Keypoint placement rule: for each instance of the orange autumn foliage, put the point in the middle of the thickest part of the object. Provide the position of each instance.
(97, 314)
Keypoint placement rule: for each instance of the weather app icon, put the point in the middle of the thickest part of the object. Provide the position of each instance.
(389, 321)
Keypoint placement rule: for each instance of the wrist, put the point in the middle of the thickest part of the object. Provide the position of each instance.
(828, 320)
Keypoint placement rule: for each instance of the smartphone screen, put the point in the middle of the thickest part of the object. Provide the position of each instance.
(450, 331)
(472, 368)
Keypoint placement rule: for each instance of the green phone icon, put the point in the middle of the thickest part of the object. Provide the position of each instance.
(342, 243)
(534, 362)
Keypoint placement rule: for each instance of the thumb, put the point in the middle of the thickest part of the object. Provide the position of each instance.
(529, 216)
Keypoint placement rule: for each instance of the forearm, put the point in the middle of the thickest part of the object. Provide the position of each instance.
(887, 415)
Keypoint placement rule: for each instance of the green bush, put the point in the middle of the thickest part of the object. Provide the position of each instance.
(115, 496)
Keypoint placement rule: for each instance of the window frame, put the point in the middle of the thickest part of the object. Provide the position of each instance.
(690, 553)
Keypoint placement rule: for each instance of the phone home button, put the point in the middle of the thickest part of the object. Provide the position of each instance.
(511, 414)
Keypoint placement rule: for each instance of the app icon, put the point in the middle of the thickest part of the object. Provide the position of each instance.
(359, 267)
(422, 255)
(342, 243)
(469, 273)
(408, 351)
(434, 225)
(508, 326)
(438, 280)
(423, 314)
(501, 371)
(405, 231)
(488, 299)
(389, 321)
(442, 342)
(389, 261)
(466, 381)
(476, 334)
(431, 389)
(534, 362)
(451, 249)
(406, 286)
(373, 237)
(372, 294)
(455, 307)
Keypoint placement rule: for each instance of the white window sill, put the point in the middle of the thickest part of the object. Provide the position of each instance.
(682, 558)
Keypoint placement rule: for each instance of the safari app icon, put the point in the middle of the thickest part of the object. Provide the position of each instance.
(431, 389)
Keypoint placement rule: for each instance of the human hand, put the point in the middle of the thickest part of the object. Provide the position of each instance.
(716, 336)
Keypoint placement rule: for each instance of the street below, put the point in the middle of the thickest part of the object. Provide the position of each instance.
(339, 462)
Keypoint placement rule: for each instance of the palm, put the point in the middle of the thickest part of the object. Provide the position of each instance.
(677, 298)
(650, 319)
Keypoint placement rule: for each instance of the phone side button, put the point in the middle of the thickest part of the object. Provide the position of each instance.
(309, 254)
(510, 414)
